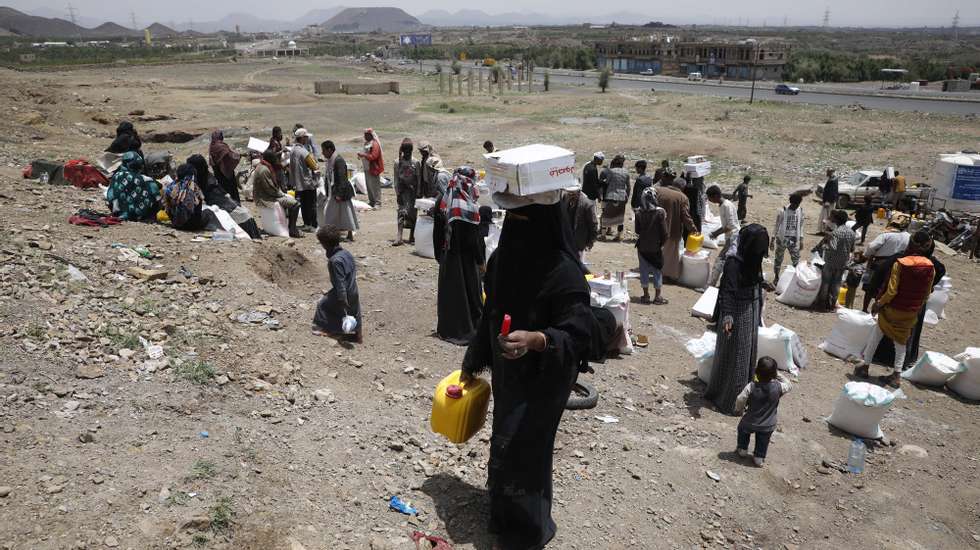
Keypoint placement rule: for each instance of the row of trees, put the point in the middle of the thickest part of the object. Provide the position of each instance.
(579, 58)
(822, 65)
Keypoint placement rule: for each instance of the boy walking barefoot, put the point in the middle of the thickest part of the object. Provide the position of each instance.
(760, 401)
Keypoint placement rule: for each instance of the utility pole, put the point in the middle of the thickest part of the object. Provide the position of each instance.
(72, 14)
(755, 57)
(956, 26)
(785, 21)
(826, 17)
(132, 17)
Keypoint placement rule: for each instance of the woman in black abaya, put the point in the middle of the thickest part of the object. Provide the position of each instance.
(456, 239)
(535, 277)
(738, 313)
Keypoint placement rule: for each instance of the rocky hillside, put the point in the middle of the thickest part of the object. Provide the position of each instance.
(372, 19)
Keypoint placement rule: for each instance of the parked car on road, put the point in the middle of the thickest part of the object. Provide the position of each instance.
(786, 89)
(648, 72)
(695, 77)
(854, 187)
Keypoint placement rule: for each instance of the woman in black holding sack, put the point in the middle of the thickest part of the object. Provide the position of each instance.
(535, 277)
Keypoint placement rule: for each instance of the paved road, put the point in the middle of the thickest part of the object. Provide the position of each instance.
(764, 91)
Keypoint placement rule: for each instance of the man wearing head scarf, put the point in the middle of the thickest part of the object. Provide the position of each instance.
(615, 192)
(893, 240)
(374, 166)
(126, 140)
(738, 314)
(455, 240)
(267, 192)
(679, 223)
(130, 196)
(224, 161)
(303, 173)
(580, 212)
(408, 181)
(651, 231)
(900, 299)
(432, 172)
(535, 278)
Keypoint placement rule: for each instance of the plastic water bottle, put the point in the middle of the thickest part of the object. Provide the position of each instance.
(222, 235)
(855, 457)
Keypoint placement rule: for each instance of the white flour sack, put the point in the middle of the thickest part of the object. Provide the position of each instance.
(803, 288)
(860, 408)
(933, 369)
(967, 383)
(776, 341)
(703, 350)
(850, 333)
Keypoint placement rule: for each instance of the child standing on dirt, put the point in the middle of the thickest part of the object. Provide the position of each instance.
(760, 401)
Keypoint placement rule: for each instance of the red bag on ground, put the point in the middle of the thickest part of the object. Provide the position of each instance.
(83, 175)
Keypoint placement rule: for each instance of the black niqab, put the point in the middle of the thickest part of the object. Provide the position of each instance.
(531, 247)
(752, 247)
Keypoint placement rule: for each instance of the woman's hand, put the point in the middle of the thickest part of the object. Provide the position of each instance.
(465, 378)
(516, 344)
(727, 325)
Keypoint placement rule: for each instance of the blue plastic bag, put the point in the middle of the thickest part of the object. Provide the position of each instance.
(399, 506)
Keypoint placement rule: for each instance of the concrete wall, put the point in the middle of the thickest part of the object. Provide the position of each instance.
(356, 88)
(328, 87)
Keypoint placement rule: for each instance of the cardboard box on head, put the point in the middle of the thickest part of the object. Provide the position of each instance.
(530, 170)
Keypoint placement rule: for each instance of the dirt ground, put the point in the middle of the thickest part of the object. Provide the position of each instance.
(261, 436)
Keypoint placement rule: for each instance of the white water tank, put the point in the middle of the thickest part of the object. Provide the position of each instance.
(958, 181)
(291, 45)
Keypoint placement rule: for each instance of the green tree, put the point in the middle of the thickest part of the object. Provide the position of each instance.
(604, 79)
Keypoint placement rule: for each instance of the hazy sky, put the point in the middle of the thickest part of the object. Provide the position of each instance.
(772, 12)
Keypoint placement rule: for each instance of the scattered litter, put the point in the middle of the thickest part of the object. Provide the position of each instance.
(435, 543)
(257, 316)
(607, 419)
(403, 507)
(713, 475)
(153, 351)
(204, 434)
(76, 274)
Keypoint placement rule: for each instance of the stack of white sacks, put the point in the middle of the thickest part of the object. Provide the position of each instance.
(776, 341)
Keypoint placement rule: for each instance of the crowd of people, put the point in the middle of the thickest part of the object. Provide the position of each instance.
(535, 279)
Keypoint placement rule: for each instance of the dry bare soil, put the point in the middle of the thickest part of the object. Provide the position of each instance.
(259, 436)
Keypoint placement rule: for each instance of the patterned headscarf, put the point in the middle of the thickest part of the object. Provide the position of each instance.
(648, 200)
(460, 200)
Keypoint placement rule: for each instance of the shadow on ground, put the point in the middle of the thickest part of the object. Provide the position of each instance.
(463, 509)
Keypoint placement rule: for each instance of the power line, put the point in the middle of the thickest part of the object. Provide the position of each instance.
(956, 25)
(826, 17)
(132, 17)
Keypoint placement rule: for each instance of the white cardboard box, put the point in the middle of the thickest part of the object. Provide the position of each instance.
(257, 145)
(530, 169)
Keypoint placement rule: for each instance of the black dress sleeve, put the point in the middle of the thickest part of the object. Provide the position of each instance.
(479, 354)
(570, 332)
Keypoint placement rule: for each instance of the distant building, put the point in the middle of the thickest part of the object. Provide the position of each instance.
(28, 58)
(713, 59)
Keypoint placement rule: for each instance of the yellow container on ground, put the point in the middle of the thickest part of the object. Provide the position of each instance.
(881, 213)
(458, 412)
(162, 216)
(694, 243)
(842, 295)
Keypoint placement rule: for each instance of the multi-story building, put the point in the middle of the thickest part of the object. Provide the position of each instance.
(711, 58)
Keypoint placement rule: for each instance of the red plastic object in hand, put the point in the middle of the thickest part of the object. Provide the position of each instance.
(505, 326)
